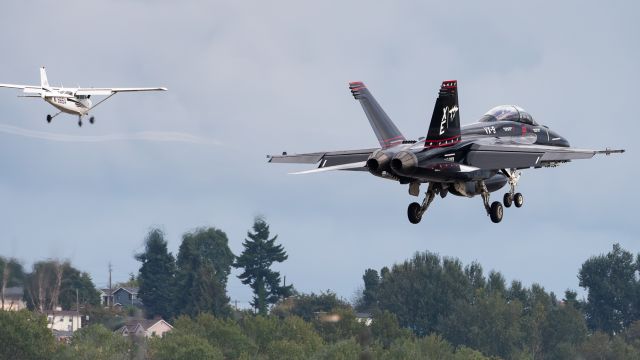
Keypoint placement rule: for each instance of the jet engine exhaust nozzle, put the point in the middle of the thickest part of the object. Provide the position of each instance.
(404, 163)
(378, 162)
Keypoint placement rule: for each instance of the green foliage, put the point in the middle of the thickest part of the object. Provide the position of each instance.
(369, 301)
(53, 283)
(157, 275)
(96, 342)
(307, 306)
(223, 334)
(204, 263)
(256, 260)
(11, 272)
(386, 329)
(264, 331)
(612, 290)
(24, 335)
(343, 350)
(72, 280)
(180, 345)
(422, 290)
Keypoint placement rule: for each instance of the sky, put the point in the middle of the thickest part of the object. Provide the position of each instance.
(251, 78)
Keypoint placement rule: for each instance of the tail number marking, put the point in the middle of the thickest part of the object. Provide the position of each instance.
(447, 115)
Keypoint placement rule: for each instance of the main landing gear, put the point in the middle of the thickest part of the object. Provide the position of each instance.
(91, 120)
(416, 210)
(495, 210)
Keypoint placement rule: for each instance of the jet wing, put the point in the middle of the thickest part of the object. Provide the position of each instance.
(328, 160)
(109, 91)
(503, 156)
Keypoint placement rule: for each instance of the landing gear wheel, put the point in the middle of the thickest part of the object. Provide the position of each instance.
(92, 119)
(414, 213)
(49, 118)
(518, 199)
(496, 212)
(80, 123)
(507, 200)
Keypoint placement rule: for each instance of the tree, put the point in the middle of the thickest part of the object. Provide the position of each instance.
(11, 274)
(157, 275)
(204, 263)
(369, 300)
(24, 335)
(97, 343)
(612, 289)
(178, 345)
(256, 260)
(53, 283)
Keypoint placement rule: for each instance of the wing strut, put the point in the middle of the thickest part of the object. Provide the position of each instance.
(101, 101)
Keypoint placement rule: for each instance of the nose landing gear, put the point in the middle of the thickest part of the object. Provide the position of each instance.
(512, 197)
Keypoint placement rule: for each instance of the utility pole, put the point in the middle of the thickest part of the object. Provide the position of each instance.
(110, 295)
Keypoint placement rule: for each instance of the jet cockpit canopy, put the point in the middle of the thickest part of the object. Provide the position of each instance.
(508, 113)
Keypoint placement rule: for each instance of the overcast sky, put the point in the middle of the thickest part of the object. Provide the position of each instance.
(249, 78)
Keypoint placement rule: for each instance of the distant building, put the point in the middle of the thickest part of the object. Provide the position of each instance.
(106, 296)
(63, 320)
(147, 328)
(364, 318)
(14, 299)
(126, 296)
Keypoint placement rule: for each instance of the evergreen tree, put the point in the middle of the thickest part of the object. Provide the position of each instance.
(157, 275)
(204, 264)
(259, 254)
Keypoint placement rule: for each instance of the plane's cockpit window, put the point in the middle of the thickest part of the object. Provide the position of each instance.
(508, 113)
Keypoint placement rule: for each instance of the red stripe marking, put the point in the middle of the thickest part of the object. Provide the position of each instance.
(399, 137)
(434, 140)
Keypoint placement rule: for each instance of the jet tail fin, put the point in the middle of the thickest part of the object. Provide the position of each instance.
(444, 129)
(385, 130)
(43, 78)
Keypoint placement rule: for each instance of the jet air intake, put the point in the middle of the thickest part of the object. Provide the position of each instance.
(404, 163)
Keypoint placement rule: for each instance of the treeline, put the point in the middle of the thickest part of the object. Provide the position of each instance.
(433, 295)
(426, 307)
(195, 281)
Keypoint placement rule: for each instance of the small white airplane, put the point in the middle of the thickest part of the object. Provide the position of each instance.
(73, 101)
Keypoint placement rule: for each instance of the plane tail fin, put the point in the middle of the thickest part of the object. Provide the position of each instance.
(385, 130)
(444, 129)
(43, 78)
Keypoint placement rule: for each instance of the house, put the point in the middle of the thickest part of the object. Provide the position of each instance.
(13, 299)
(147, 328)
(106, 296)
(63, 320)
(126, 296)
(364, 318)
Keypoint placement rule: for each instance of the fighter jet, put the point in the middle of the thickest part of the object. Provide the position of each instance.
(476, 159)
(75, 101)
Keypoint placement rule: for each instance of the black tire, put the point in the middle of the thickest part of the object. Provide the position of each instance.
(518, 199)
(413, 211)
(507, 200)
(48, 118)
(92, 120)
(80, 123)
(496, 212)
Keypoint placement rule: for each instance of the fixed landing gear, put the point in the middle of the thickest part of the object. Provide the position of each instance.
(80, 122)
(92, 120)
(49, 118)
(416, 210)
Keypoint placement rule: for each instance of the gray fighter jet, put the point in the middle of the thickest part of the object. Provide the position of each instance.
(476, 159)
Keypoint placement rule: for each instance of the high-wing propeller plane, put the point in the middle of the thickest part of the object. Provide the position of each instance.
(75, 101)
(476, 159)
